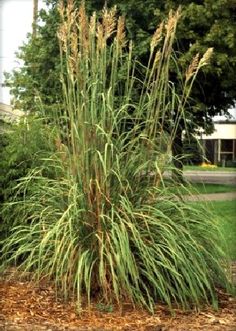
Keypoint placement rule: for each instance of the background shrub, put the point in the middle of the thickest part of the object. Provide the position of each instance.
(193, 151)
(23, 147)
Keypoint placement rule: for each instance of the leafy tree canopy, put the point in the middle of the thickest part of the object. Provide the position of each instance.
(204, 24)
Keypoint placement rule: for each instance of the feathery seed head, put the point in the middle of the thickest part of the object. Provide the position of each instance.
(61, 9)
(157, 58)
(100, 37)
(156, 38)
(83, 27)
(172, 22)
(70, 13)
(62, 34)
(74, 44)
(108, 21)
(70, 6)
(206, 57)
(192, 68)
(92, 23)
(120, 36)
(82, 16)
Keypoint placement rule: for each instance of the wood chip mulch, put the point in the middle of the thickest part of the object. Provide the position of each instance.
(28, 307)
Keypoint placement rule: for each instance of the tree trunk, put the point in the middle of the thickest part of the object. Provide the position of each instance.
(177, 153)
(35, 16)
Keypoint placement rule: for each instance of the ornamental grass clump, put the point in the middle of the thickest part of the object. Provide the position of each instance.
(105, 224)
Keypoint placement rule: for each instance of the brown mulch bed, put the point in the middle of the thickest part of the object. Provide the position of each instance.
(28, 307)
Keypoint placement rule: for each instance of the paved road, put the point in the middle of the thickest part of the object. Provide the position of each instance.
(211, 177)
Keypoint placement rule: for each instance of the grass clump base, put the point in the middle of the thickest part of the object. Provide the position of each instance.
(95, 216)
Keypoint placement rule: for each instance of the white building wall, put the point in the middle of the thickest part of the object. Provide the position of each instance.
(222, 131)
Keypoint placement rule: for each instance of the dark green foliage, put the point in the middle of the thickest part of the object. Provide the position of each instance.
(4, 140)
(22, 149)
(192, 150)
(38, 79)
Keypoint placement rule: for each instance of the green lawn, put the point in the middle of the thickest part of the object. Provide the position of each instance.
(200, 188)
(226, 215)
(198, 168)
(212, 188)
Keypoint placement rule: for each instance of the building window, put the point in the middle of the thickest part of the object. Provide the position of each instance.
(226, 146)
